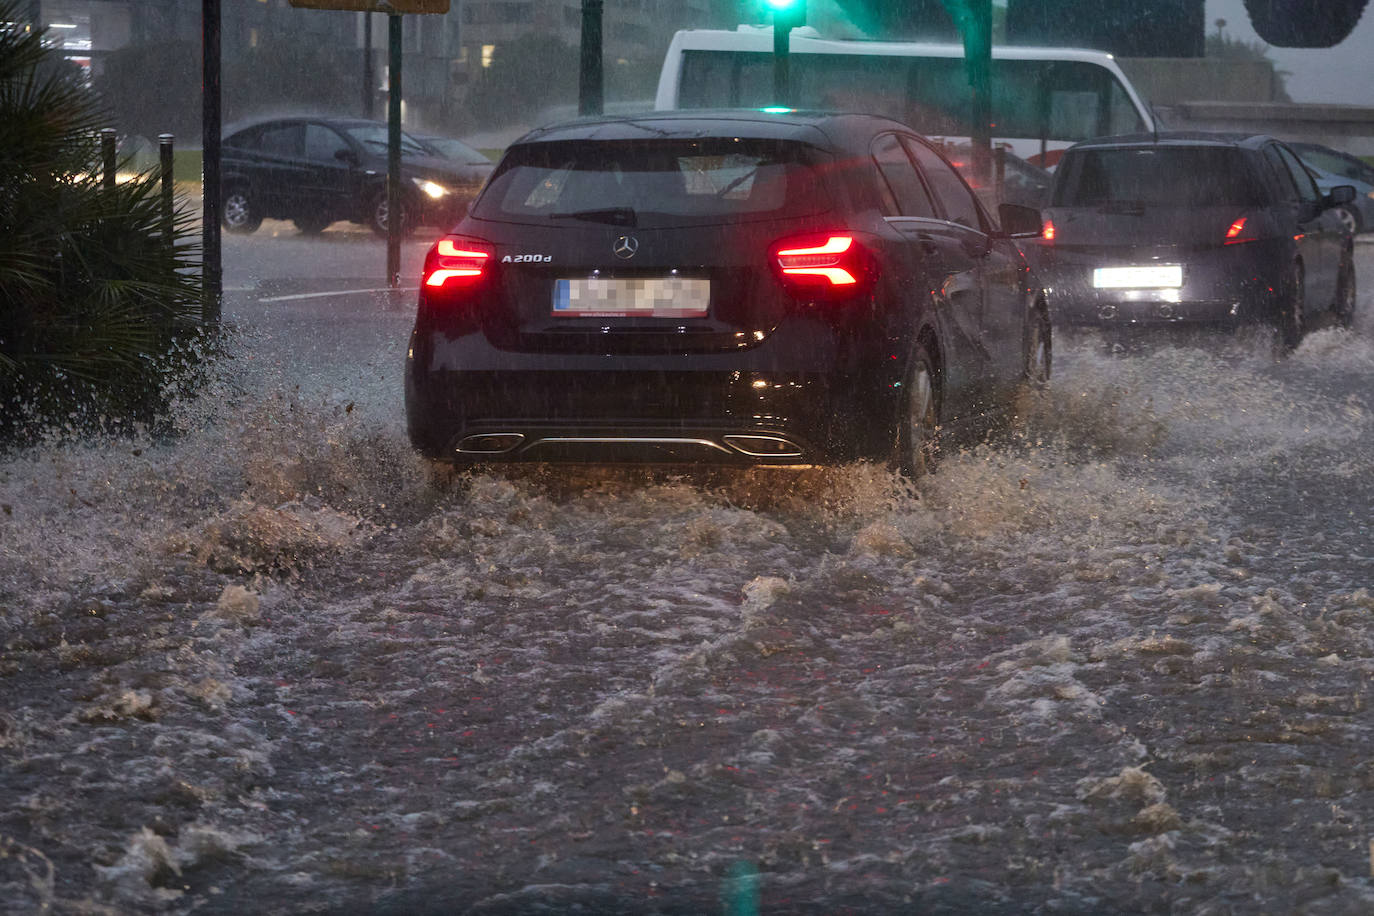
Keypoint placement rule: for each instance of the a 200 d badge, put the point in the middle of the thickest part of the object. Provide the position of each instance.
(527, 259)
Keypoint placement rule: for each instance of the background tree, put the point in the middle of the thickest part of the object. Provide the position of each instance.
(98, 304)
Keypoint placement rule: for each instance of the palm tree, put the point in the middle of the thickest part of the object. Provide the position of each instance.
(98, 300)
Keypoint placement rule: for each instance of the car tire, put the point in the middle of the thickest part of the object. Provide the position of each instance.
(1344, 306)
(918, 426)
(312, 225)
(1304, 23)
(1291, 317)
(240, 214)
(377, 215)
(1350, 219)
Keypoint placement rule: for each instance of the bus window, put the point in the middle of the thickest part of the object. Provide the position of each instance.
(1050, 100)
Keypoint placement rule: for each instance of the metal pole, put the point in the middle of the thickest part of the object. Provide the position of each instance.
(107, 157)
(211, 271)
(368, 79)
(589, 85)
(164, 149)
(394, 206)
(782, 45)
(978, 50)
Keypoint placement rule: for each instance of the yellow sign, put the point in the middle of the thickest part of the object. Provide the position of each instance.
(376, 6)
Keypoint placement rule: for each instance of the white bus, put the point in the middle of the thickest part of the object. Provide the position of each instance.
(1043, 99)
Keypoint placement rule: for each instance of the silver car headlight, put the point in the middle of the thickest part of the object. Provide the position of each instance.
(431, 188)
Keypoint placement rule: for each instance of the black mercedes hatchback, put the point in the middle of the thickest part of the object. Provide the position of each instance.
(1193, 230)
(739, 287)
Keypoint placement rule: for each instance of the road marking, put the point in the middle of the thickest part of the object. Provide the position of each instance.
(340, 292)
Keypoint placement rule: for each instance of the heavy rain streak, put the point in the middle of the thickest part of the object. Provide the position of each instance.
(1116, 658)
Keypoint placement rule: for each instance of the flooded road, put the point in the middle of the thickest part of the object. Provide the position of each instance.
(1117, 661)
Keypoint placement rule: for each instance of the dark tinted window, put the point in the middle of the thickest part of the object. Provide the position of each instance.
(908, 193)
(1163, 176)
(954, 196)
(321, 143)
(282, 141)
(665, 182)
(1307, 188)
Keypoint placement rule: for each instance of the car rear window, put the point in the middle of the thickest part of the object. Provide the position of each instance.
(656, 182)
(1157, 176)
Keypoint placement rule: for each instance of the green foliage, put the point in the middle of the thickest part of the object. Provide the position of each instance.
(98, 300)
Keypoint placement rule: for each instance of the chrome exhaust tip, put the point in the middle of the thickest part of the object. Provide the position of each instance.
(763, 446)
(488, 443)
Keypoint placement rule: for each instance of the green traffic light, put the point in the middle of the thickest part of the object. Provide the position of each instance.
(780, 5)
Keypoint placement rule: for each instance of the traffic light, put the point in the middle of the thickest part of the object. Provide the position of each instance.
(787, 14)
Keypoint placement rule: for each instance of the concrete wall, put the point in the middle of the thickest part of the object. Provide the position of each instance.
(1347, 127)
(1170, 80)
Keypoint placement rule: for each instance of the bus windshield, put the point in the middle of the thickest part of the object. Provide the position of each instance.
(1047, 100)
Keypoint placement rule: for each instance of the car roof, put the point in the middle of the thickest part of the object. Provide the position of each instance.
(810, 126)
(1176, 138)
(302, 119)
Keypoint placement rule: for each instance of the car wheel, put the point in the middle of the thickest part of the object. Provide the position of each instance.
(1291, 318)
(240, 214)
(1344, 306)
(378, 215)
(1350, 219)
(919, 424)
(312, 225)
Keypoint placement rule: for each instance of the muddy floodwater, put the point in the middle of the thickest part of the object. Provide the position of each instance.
(1116, 660)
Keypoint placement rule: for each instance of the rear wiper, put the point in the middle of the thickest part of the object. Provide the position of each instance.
(616, 216)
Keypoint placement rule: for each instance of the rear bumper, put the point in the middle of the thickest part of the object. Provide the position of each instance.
(781, 403)
(1223, 287)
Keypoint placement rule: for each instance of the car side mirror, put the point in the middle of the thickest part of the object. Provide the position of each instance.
(346, 155)
(1019, 222)
(1340, 194)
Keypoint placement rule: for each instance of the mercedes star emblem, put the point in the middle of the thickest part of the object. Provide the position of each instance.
(625, 246)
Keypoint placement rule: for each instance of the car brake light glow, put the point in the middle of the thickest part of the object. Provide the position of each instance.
(830, 265)
(819, 260)
(1234, 234)
(1047, 233)
(456, 261)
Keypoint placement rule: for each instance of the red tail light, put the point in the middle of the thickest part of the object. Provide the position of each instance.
(1237, 234)
(455, 263)
(830, 265)
(1047, 232)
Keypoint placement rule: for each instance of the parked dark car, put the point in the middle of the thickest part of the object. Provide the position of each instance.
(1193, 229)
(315, 171)
(454, 149)
(737, 287)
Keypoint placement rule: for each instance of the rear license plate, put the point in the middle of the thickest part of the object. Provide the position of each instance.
(623, 297)
(1155, 276)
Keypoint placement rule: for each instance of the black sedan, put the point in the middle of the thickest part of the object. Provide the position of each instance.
(740, 287)
(315, 171)
(1193, 230)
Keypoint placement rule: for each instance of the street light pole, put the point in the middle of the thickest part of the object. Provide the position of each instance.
(212, 202)
(590, 96)
(787, 15)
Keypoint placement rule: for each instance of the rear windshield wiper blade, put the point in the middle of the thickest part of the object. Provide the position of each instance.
(617, 216)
